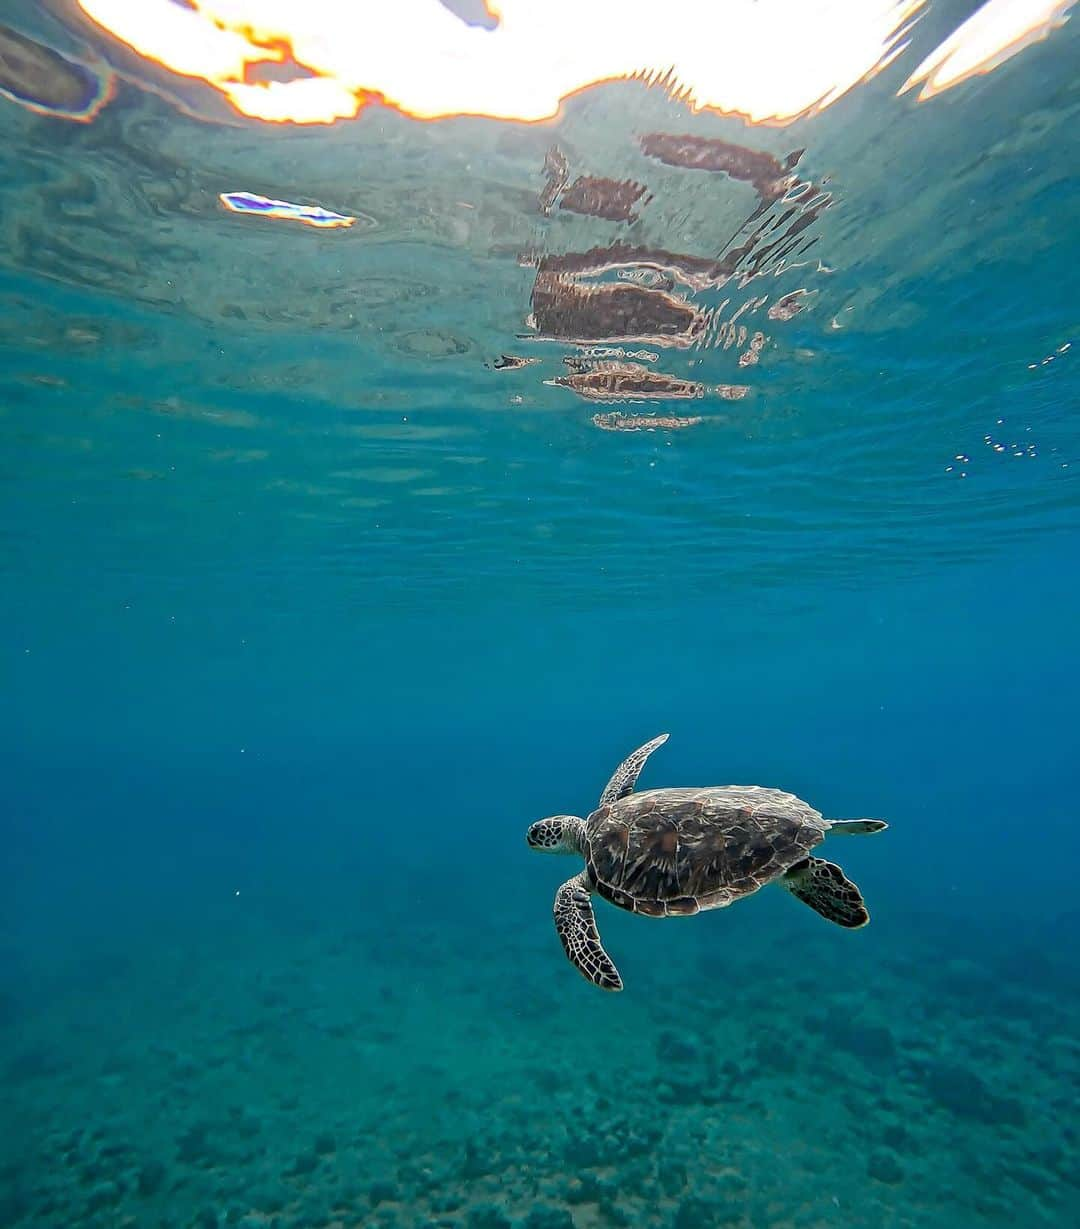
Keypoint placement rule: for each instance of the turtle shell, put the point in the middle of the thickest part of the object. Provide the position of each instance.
(666, 852)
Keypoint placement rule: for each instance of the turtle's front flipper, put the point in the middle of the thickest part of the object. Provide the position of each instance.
(627, 773)
(580, 939)
(824, 887)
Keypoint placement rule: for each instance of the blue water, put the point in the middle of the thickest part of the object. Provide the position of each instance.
(308, 612)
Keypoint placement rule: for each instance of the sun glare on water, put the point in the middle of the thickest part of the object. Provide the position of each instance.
(770, 61)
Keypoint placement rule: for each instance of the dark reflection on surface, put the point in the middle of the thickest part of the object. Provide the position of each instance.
(44, 80)
(643, 293)
(594, 196)
(557, 171)
(510, 362)
(564, 308)
(614, 420)
(610, 199)
(769, 178)
(611, 381)
(629, 260)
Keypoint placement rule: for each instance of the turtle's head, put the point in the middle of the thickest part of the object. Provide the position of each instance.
(556, 834)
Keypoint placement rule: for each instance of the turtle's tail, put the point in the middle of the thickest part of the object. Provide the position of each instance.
(855, 827)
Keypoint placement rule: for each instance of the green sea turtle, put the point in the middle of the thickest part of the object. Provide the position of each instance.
(674, 852)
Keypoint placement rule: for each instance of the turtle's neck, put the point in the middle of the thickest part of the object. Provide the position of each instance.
(573, 835)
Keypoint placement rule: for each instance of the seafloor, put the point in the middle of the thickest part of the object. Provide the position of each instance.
(410, 1069)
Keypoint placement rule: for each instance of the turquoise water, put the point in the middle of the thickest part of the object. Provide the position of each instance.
(309, 610)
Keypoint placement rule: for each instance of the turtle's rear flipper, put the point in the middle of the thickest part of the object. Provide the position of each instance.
(855, 827)
(580, 939)
(824, 887)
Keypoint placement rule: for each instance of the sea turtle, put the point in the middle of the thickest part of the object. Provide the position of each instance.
(674, 852)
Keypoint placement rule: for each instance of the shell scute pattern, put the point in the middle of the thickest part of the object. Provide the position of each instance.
(675, 851)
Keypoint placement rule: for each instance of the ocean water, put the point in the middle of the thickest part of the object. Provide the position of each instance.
(312, 603)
